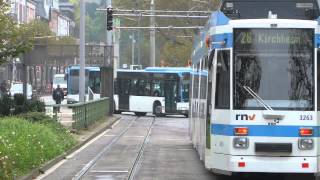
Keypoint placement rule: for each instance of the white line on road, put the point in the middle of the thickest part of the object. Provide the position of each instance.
(109, 135)
(114, 125)
(133, 136)
(105, 171)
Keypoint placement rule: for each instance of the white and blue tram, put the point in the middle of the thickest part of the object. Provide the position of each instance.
(254, 103)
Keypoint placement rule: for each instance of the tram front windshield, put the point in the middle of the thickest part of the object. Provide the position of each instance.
(275, 66)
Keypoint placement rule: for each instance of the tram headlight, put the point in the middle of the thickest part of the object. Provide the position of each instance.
(240, 142)
(305, 144)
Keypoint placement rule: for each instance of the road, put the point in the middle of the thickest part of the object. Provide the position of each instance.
(140, 148)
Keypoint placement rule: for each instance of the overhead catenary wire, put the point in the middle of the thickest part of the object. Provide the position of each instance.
(162, 27)
(155, 11)
(162, 15)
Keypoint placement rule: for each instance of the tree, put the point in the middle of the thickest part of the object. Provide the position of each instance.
(14, 38)
(173, 47)
(41, 33)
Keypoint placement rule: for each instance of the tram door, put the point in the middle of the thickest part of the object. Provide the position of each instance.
(124, 91)
(171, 95)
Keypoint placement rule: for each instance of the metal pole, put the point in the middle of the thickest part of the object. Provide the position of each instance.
(132, 46)
(110, 60)
(82, 52)
(152, 37)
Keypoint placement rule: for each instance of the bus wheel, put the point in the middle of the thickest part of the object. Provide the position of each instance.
(157, 109)
(140, 113)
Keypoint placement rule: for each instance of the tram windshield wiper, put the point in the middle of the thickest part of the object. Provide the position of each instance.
(257, 98)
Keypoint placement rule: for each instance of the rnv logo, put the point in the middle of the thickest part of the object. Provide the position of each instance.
(245, 117)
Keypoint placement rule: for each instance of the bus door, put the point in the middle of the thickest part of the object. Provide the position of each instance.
(124, 91)
(171, 95)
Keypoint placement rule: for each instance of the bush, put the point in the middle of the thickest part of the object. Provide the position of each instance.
(25, 145)
(36, 106)
(19, 99)
(36, 117)
(6, 104)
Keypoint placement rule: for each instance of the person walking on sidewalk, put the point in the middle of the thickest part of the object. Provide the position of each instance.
(58, 96)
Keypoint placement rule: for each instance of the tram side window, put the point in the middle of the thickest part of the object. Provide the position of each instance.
(318, 79)
(222, 98)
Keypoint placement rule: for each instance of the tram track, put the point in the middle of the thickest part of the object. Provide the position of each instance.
(108, 147)
(137, 162)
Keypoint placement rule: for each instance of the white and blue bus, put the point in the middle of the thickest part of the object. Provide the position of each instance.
(92, 83)
(254, 104)
(157, 90)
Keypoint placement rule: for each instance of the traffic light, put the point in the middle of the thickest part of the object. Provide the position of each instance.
(109, 19)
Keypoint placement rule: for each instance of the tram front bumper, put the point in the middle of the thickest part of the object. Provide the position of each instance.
(274, 164)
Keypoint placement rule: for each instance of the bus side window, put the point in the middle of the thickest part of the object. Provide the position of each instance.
(125, 85)
(156, 88)
(134, 87)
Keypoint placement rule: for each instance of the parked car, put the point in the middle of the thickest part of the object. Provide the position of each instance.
(17, 88)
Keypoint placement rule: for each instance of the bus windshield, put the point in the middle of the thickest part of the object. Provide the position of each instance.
(277, 65)
(59, 80)
(94, 81)
(73, 81)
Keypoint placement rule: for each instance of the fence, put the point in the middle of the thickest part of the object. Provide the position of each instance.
(85, 114)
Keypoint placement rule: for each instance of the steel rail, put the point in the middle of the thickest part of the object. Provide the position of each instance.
(86, 168)
(137, 162)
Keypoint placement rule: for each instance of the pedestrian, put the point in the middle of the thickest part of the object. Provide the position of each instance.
(58, 96)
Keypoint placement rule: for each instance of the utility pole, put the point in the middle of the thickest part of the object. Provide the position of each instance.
(152, 37)
(82, 52)
(133, 41)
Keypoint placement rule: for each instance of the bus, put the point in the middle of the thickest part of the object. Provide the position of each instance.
(92, 83)
(254, 103)
(157, 90)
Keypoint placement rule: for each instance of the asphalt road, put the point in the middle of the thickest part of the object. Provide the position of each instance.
(167, 153)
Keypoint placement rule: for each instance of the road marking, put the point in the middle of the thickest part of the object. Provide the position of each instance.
(106, 171)
(86, 145)
(116, 123)
(170, 139)
(133, 136)
(109, 135)
(52, 169)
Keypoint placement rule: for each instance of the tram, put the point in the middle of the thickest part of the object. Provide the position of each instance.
(254, 102)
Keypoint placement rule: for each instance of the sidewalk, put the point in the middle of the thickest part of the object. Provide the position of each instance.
(82, 137)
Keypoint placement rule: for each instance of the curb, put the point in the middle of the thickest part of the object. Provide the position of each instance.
(40, 170)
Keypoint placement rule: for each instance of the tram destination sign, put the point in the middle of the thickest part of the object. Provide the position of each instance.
(273, 39)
